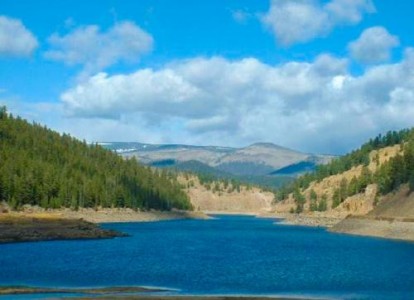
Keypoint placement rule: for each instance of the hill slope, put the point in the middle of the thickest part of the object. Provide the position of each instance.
(372, 184)
(397, 205)
(392, 218)
(41, 167)
(226, 196)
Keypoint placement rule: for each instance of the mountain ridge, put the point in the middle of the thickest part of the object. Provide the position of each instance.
(260, 159)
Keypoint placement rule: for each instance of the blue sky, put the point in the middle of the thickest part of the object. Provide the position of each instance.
(317, 76)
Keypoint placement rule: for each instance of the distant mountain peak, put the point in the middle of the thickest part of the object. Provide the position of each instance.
(258, 159)
(266, 144)
(263, 144)
(269, 145)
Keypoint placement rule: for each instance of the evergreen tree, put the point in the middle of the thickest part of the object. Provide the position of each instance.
(41, 167)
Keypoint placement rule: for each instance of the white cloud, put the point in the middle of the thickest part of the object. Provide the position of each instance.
(317, 106)
(299, 21)
(15, 38)
(241, 16)
(348, 11)
(96, 50)
(373, 46)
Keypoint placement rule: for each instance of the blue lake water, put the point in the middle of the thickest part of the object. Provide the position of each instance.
(227, 255)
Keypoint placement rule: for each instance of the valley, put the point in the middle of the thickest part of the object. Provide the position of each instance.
(335, 201)
(369, 184)
(188, 217)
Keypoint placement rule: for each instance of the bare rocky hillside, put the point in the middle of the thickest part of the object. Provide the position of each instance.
(364, 213)
(215, 197)
(359, 204)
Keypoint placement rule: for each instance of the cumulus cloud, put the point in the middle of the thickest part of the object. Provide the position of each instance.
(299, 21)
(15, 38)
(200, 88)
(373, 46)
(96, 50)
(314, 106)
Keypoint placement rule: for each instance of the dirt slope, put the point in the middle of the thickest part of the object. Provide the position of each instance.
(391, 229)
(241, 200)
(398, 205)
(392, 218)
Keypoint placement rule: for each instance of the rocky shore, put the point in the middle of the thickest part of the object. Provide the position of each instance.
(16, 228)
(390, 228)
(25, 290)
(140, 293)
(375, 226)
(119, 215)
(102, 215)
(308, 220)
(33, 223)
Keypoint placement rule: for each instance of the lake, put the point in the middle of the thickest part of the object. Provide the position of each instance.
(227, 255)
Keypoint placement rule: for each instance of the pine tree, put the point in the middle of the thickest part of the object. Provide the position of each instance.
(41, 167)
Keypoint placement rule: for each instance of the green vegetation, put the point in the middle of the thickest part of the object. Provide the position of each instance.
(389, 176)
(41, 167)
(300, 200)
(219, 184)
(399, 170)
(317, 204)
(355, 158)
(323, 204)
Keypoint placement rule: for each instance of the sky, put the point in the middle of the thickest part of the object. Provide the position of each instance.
(311, 75)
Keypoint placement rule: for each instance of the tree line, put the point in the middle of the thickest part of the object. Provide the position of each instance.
(41, 167)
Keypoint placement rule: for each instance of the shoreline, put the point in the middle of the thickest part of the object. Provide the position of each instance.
(309, 220)
(133, 292)
(104, 215)
(126, 215)
(16, 229)
(34, 224)
(230, 213)
(394, 229)
(29, 290)
(384, 228)
(338, 223)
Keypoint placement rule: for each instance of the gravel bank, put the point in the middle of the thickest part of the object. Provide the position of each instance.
(384, 228)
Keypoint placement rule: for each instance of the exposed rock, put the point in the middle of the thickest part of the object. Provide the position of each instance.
(247, 200)
(15, 228)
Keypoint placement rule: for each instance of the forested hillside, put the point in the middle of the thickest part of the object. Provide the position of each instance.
(388, 173)
(41, 167)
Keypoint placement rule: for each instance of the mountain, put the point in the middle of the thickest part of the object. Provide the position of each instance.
(261, 159)
(41, 167)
